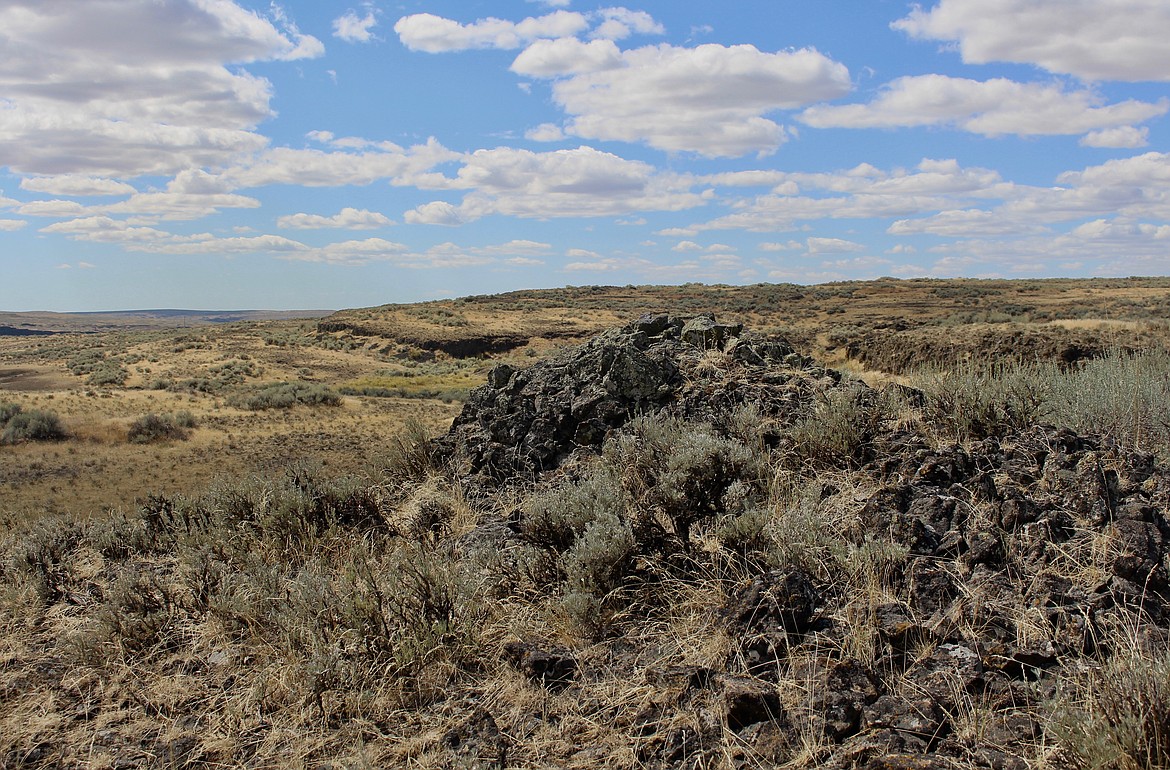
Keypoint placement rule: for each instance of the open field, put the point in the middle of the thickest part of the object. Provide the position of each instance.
(100, 372)
(670, 546)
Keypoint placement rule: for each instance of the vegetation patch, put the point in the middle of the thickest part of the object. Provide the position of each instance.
(19, 426)
(153, 427)
(285, 395)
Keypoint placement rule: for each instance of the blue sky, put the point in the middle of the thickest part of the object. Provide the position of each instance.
(225, 155)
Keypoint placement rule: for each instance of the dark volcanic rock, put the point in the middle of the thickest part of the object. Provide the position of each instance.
(528, 421)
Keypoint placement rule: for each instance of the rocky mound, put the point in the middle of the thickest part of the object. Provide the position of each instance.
(528, 421)
(924, 608)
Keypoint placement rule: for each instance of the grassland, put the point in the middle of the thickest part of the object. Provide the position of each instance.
(301, 582)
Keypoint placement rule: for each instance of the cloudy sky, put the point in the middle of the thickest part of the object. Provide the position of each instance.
(222, 154)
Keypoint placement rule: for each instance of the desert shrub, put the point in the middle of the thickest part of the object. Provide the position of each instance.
(284, 395)
(108, 373)
(139, 610)
(1118, 717)
(680, 473)
(746, 534)
(46, 554)
(1123, 395)
(153, 427)
(975, 402)
(34, 425)
(839, 431)
(555, 517)
(7, 412)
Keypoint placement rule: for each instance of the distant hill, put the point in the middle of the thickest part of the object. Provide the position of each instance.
(38, 323)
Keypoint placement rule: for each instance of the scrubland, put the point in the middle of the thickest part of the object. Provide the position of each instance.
(934, 535)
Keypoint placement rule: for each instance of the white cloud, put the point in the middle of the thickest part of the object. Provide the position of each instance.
(435, 213)
(1125, 137)
(435, 34)
(11, 225)
(322, 168)
(860, 193)
(73, 105)
(964, 223)
(1091, 39)
(566, 56)
(832, 246)
(990, 108)
(72, 184)
(353, 28)
(53, 208)
(786, 246)
(686, 246)
(348, 218)
(581, 182)
(598, 264)
(709, 100)
(152, 207)
(620, 23)
(545, 132)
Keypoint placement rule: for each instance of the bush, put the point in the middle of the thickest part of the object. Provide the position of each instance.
(284, 395)
(1119, 716)
(108, 373)
(1126, 396)
(32, 426)
(976, 402)
(7, 412)
(153, 427)
(840, 430)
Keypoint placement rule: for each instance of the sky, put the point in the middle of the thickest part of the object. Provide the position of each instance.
(312, 154)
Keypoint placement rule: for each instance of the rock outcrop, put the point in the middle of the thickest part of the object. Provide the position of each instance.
(525, 422)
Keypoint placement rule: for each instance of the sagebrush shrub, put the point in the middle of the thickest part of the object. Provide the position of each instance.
(839, 431)
(153, 427)
(7, 412)
(284, 395)
(33, 425)
(1117, 717)
(970, 401)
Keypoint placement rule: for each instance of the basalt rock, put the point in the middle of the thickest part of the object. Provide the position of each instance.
(525, 422)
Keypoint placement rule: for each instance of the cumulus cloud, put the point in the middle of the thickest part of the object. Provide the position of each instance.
(436, 34)
(991, 108)
(567, 56)
(73, 106)
(832, 246)
(52, 208)
(964, 223)
(1124, 137)
(11, 225)
(545, 132)
(329, 168)
(353, 28)
(1091, 39)
(348, 218)
(581, 182)
(435, 213)
(76, 185)
(620, 23)
(709, 100)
